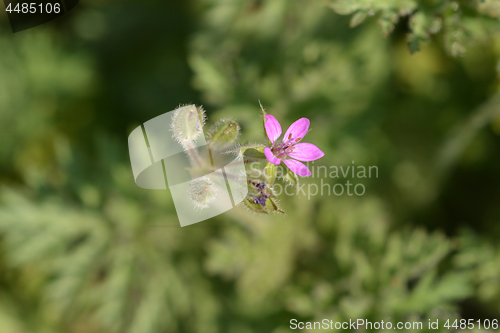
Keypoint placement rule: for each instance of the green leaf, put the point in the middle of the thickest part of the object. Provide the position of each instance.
(344, 7)
(357, 18)
(387, 22)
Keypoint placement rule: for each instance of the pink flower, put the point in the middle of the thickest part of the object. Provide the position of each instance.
(290, 146)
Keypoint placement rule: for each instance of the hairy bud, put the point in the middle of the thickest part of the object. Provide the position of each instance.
(202, 192)
(225, 130)
(187, 124)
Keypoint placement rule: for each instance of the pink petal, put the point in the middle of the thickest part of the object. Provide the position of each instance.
(270, 156)
(273, 128)
(297, 167)
(297, 130)
(306, 152)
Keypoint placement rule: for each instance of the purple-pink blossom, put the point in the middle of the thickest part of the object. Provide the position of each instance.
(289, 150)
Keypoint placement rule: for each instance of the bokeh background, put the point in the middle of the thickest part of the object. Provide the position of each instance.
(83, 249)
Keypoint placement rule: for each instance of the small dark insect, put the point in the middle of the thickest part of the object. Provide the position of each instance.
(260, 186)
(264, 195)
(260, 201)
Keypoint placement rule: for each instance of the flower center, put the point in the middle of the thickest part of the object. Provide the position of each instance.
(284, 148)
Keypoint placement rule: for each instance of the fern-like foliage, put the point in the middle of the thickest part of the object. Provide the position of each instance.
(461, 22)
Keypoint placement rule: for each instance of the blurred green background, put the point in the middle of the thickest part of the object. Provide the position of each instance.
(83, 249)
